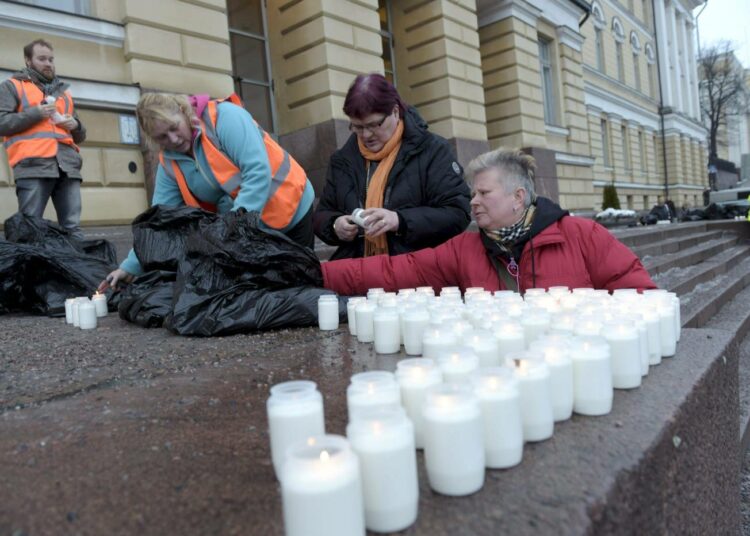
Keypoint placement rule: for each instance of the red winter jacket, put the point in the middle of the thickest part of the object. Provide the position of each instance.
(571, 251)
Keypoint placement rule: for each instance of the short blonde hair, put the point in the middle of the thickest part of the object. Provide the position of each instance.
(518, 170)
(153, 107)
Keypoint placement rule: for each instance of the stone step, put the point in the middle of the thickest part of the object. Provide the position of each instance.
(690, 256)
(707, 299)
(674, 245)
(642, 236)
(683, 280)
(744, 352)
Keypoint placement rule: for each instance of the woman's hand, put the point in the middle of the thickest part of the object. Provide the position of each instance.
(114, 277)
(380, 221)
(345, 228)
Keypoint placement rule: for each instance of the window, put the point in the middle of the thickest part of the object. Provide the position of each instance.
(625, 148)
(251, 66)
(386, 34)
(548, 88)
(620, 62)
(606, 159)
(599, 50)
(630, 202)
(651, 70)
(645, 202)
(642, 150)
(646, 8)
(637, 72)
(78, 7)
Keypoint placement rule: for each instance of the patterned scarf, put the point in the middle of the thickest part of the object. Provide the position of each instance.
(506, 237)
(48, 85)
(375, 191)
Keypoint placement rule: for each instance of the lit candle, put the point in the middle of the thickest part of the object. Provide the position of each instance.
(351, 314)
(373, 293)
(437, 338)
(383, 440)
(510, 338)
(665, 306)
(86, 314)
(295, 413)
(497, 390)
(387, 333)
(376, 388)
(485, 345)
(558, 360)
(459, 365)
(321, 490)
(535, 323)
(558, 292)
(415, 324)
(462, 329)
(564, 323)
(453, 448)
(654, 335)
(69, 310)
(624, 351)
(531, 292)
(414, 377)
(365, 314)
(592, 376)
(588, 326)
(328, 312)
(640, 325)
(534, 395)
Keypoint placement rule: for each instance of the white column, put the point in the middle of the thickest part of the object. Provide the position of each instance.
(662, 36)
(693, 69)
(674, 57)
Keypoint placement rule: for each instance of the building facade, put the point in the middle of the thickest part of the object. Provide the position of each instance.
(575, 84)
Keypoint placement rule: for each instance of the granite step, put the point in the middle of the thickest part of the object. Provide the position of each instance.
(707, 299)
(690, 256)
(641, 236)
(674, 245)
(683, 280)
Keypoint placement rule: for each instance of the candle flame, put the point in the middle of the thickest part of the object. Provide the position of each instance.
(377, 427)
(324, 456)
(370, 388)
(493, 383)
(310, 441)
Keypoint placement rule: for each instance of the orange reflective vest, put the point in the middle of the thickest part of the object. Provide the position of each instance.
(39, 141)
(288, 179)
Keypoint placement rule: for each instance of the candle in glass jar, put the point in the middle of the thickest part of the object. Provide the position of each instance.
(74, 309)
(415, 324)
(69, 310)
(295, 413)
(558, 360)
(387, 334)
(653, 330)
(414, 377)
(533, 378)
(485, 345)
(453, 448)
(365, 314)
(624, 352)
(510, 338)
(458, 366)
(535, 323)
(437, 338)
(383, 440)
(328, 312)
(375, 388)
(497, 390)
(588, 326)
(86, 315)
(100, 303)
(321, 489)
(592, 376)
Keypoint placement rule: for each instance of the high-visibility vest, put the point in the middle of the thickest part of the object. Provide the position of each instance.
(288, 179)
(41, 139)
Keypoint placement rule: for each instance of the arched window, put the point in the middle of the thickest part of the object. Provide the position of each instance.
(651, 69)
(600, 23)
(635, 43)
(619, 34)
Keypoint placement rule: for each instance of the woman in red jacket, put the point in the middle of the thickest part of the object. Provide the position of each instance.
(525, 241)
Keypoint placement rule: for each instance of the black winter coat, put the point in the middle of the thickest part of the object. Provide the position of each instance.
(425, 187)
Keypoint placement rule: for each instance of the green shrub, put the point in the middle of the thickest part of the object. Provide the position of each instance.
(609, 197)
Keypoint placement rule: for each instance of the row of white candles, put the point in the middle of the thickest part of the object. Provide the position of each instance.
(83, 312)
(493, 384)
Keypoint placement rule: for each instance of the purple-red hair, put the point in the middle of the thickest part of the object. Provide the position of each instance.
(372, 94)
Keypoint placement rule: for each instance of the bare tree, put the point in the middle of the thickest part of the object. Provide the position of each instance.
(722, 89)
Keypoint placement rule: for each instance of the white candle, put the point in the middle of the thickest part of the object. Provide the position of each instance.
(535, 322)
(86, 315)
(376, 388)
(653, 329)
(667, 334)
(592, 376)
(74, 309)
(365, 314)
(415, 324)
(497, 390)
(558, 360)
(558, 292)
(100, 303)
(437, 338)
(69, 310)
(624, 351)
(588, 326)
(640, 325)
(328, 312)
(531, 292)
(510, 338)
(453, 449)
(373, 293)
(533, 378)
(387, 333)
(383, 440)
(462, 329)
(458, 366)
(563, 323)
(414, 377)
(321, 490)
(485, 345)
(351, 315)
(295, 413)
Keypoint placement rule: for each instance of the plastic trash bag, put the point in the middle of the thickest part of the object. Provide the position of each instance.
(41, 265)
(231, 275)
(148, 300)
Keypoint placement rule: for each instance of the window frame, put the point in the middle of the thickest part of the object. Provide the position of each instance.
(606, 145)
(548, 80)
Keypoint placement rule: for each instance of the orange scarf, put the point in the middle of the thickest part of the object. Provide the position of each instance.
(375, 191)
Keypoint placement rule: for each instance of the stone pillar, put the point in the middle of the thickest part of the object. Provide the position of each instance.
(315, 58)
(674, 59)
(664, 70)
(439, 70)
(693, 69)
(615, 138)
(512, 82)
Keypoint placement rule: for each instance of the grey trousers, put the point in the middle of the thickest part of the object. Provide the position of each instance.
(65, 192)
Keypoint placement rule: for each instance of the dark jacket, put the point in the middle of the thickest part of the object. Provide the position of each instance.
(562, 251)
(425, 187)
(13, 122)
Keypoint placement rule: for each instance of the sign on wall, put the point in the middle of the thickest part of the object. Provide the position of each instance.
(129, 130)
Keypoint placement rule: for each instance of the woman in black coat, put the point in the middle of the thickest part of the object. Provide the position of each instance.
(406, 178)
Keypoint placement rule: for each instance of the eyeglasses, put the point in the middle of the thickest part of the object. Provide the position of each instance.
(372, 127)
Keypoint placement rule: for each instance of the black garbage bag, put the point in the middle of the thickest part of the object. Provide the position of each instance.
(23, 229)
(716, 212)
(694, 214)
(148, 299)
